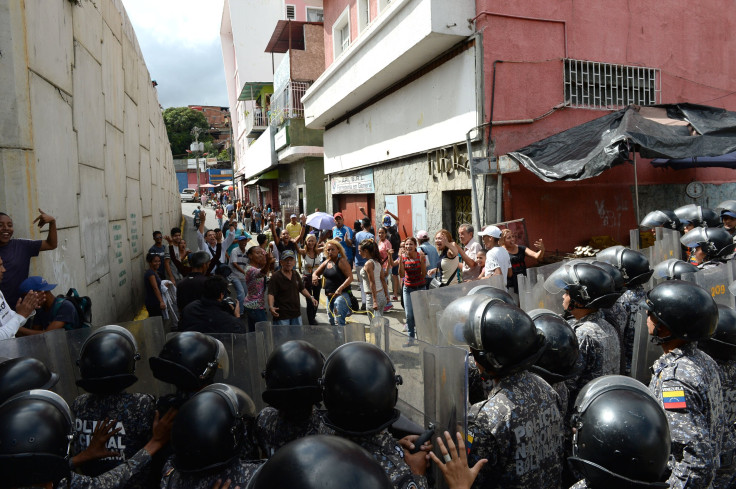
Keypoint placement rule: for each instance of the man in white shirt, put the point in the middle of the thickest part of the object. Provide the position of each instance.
(11, 321)
(498, 261)
(469, 251)
(207, 241)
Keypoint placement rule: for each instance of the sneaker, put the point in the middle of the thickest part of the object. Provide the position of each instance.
(394, 298)
(388, 307)
(362, 307)
(410, 343)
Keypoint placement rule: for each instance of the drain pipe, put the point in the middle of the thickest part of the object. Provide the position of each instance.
(473, 190)
(491, 148)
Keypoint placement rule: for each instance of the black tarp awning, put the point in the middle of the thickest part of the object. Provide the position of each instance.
(674, 131)
(724, 161)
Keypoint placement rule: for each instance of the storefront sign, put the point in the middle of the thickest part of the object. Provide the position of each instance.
(360, 182)
(280, 139)
(447, 160)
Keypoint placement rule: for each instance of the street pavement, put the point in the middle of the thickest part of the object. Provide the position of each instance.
(395, 316)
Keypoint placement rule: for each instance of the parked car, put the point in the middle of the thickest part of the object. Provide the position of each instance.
(188, 195)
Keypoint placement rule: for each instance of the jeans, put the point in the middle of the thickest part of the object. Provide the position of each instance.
(363, 294)
(338, 308)
(288, 322)
(255, 316)
(240, 287)
(409, 310)
(219, 222)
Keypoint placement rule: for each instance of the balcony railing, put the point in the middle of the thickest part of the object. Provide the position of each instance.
(287, 104)
(256, 121)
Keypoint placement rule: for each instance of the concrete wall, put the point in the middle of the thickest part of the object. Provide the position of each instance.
(82, 137)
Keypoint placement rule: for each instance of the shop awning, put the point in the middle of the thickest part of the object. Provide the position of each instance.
(672, 132)
(251, 90)
(287, 31)
(251, 182)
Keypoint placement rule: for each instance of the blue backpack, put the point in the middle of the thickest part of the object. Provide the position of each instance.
(82, 304)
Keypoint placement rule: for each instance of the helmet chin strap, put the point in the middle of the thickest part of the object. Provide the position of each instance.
(658, 340)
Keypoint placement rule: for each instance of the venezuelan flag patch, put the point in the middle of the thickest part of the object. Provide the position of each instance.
(674, 398)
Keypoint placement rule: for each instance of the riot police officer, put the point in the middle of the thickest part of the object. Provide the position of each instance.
(518, 429)
(622, 439)
(360, 390)
(693, 216)
(292, 392)
(634, 268)
(710, 246)
(587, 290)
(722, 348)
(107, 366)
(685, 380)
(728, 216)
(674, 269)
(23, 374)
(664, 218)
(321, 462)
(34, 445)
(207, 440)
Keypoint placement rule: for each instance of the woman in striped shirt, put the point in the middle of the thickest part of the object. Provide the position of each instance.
(413, 269)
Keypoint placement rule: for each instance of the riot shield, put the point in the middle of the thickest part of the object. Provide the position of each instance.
(324, 337)
(427, 303)
(533, 295)
(716, 281)
(645, 352)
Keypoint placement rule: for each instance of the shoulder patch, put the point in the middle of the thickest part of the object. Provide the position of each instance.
(674, 397)
(412, 485)
(399, 451)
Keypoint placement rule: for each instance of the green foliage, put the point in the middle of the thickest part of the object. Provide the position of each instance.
(179, 123)
(223, 155)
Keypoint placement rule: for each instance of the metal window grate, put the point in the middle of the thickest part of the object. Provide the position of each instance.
(291, 12)
(594, 85)
(287, 103)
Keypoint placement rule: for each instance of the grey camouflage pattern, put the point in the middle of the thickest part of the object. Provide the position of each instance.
(240, 472)
(112, 479)
(696, 430)
(519, 430)
(726, 475)
(599, 351)
(273, 430)
(624, 314)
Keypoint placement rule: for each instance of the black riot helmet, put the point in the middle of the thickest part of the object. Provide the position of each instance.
(698, 216)
(35, 438)
(634, 266)
(292, 376)
(321, 462)
(687, 310)
(557, 363)
(23, 374)
(107, 360)
(619, 283)
(502, 337)
(190, 361)
(622, 435)
(674, 269)
(490, 291)
(589, 287)
(715, 242)
(665, 218)
(722, 345)
(209, 428)
(360, 389)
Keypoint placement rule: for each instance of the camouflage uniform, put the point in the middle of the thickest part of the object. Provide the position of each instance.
(519, 430)
(273, 430)
(583, 484)
(561, 389)
(599, 351)
(238, 471)
(725, 475)
(478, 388)
(113, 479)
(384, 448)
(687, 383)
(133, 412)
(622, 316)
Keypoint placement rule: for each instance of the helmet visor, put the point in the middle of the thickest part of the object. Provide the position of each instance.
(675, 269)
(460, 322)
(612, 256)
(694, 238)
(654, 219)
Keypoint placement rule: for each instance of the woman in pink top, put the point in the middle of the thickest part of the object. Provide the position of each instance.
(413, 269)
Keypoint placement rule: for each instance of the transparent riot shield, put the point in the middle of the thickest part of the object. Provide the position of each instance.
(246, 354)
(427, 303)
(666, 246)
(533, 295)
(50, 348)
(645, 352)
(324, 337)
(716, 281)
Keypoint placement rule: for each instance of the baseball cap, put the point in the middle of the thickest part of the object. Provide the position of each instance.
(39, 284)
(493, 231)
(386, 220)
(422, 234)
(338, 214)
(728, 213)
(287, 254)
(292, 216)
(243, 237)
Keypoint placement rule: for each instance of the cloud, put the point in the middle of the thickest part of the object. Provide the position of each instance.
(180, 41)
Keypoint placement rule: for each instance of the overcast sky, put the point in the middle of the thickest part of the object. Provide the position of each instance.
(180, 40)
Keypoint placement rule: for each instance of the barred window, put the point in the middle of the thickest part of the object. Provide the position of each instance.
(594, 85)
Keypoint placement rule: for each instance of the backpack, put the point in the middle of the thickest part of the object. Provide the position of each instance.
(83, 306)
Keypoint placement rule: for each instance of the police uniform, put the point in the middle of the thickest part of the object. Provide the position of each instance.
(274, 430)
(564, 394)
(238, 471)
(390, 456)
(623, 316)
(519, 430)
(583, 484)
(133, 413)
(725, 477)
(686, 382)
(113, 479)
(599, 350)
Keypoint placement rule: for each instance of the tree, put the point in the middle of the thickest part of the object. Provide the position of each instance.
(179, 123)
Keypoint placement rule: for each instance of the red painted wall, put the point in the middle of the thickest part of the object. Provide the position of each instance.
(689, 45)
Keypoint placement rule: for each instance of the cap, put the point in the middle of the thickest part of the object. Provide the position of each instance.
(387, 220)
(287, 254)
(728, 213)
(422, 234)
(493, 231)
(243, 237)
(292, 216)
(338, 214)
(39, 284)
